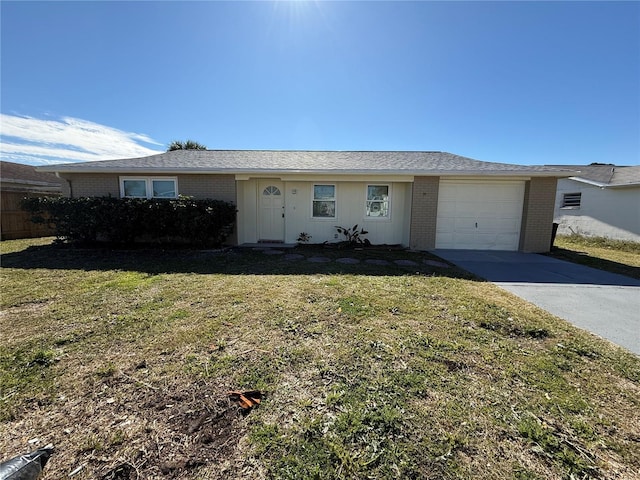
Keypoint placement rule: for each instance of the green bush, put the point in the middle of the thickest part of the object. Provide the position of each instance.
(183, 220)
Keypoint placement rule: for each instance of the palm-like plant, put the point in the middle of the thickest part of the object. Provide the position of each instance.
(188, 145)
(353, 236)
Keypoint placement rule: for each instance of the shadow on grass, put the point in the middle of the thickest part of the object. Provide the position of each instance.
(234, 261)
(584, 258)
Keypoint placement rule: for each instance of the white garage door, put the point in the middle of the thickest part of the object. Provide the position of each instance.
(479, 215)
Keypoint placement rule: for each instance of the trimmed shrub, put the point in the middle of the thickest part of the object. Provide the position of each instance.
(183, 220)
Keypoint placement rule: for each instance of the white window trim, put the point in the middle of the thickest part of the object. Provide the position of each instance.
(334, 200)
(386, 218)
(148, 185)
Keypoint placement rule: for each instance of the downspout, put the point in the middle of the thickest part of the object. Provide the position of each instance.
(68, 181)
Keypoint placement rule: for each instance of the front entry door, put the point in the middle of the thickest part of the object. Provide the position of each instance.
(271, 211)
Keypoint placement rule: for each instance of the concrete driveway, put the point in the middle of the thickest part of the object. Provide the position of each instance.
(603, 303)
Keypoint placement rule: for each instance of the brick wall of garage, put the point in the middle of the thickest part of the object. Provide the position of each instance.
(537, 215)
(219, 187)
(424, 212)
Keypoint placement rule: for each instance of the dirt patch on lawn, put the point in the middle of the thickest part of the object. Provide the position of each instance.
(128, 429)
(21, 318)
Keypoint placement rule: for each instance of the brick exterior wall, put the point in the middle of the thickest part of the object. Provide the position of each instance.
(537, 215)
(219, 187)
(424, 212)
(92, 184)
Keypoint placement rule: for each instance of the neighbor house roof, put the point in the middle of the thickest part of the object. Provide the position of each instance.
(19, 176)
(608, 176)
(316, 162)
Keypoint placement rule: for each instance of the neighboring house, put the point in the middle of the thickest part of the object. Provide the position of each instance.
(421, 200)
(18, 181)
(600, 201)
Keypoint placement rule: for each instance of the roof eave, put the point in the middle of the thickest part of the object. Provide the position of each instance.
(624, 185)
(35, 183)
(604, 185)
(266, 171)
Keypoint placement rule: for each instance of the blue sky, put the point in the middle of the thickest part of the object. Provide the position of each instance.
(513, 82)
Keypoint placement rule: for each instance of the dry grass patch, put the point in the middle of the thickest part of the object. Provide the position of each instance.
(612, 255)
(367, 371)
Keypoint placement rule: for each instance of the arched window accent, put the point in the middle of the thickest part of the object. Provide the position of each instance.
(271, 190)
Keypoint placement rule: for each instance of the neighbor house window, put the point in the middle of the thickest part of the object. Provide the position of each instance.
(571, 200)
(324, 201)
(148, 187)
(378, 201)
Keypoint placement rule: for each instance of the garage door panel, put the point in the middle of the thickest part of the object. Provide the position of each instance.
(465, 241)
(461, 225)
(449, 195)
(484, 210)
(465, 224)
(447, 225)
(502, 242)
(515, 208)
(486, 225)
(447, 207)
(498, 226)
(508, 225)
(446, 238)
(479, 215)
(484, 242)
(491, 195)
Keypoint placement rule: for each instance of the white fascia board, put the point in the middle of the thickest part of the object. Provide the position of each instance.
(589, 182)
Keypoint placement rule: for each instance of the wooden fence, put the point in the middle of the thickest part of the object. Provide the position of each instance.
(15, 222)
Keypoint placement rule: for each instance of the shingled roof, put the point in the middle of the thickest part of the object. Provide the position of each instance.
(300, 161)
(606, 176)
(17, 175)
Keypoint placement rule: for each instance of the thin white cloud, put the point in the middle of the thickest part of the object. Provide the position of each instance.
(37, 141)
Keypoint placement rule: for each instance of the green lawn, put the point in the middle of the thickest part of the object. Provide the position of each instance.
(614, 256)
(123, 360)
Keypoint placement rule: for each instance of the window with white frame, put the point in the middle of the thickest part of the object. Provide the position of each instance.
(571, 200)
(324, 201)
(377, 201)
(148, 187)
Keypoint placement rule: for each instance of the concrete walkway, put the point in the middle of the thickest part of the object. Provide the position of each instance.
(601, 302)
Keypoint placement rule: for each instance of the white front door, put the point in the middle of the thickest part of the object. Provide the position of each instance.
(271, 211)
(480, 215)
